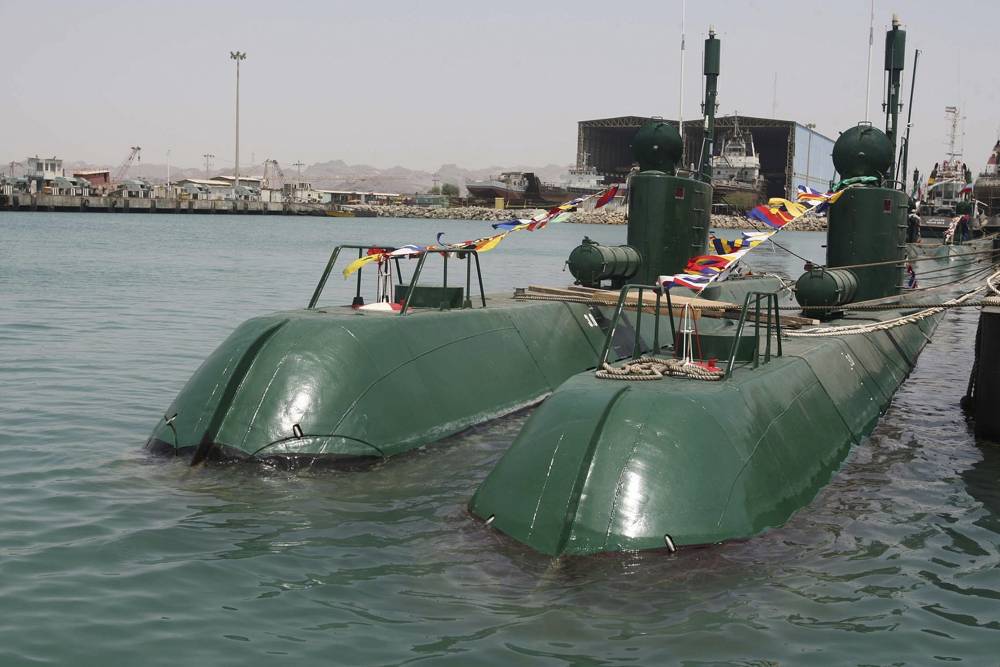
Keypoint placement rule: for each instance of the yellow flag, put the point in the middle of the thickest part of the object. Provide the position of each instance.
(358, 263)
(794, 209)
(490, 243)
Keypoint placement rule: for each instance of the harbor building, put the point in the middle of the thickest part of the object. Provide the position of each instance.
(98, 178)
(202, 188)
(249, 181)
(44, 169)
(791, 153)
(352, 197)
(220, 188)
(71, 186)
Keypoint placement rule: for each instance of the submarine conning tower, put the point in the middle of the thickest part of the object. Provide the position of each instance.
(866, 227)
(668, 214)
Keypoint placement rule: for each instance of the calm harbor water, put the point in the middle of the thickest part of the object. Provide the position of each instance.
(109, 556)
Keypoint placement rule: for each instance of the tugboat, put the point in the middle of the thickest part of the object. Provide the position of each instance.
(947, 209)
(736, 177)
(660, 453)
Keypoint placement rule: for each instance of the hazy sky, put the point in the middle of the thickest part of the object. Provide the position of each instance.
(420, 84)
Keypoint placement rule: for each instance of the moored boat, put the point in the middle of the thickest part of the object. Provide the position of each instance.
(736, 179)
(947, 208)
(986, 190)
(516, 187)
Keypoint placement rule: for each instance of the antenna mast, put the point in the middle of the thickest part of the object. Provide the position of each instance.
(871, 42)
(952, 132)
(905, 149)
(680, 104)
(711, 70)
(895, 48)
(774, 97)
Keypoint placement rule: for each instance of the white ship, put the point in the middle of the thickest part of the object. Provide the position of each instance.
(948, 194)
(736, 176)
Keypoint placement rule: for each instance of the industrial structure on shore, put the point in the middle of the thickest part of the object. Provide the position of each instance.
(791, 154)
(44, 185)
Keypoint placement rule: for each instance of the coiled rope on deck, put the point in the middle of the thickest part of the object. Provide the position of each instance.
(654, 368)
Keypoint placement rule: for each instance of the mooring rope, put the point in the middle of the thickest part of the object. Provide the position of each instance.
(734, 308)
(886, 324)
(990, 282)
(654, 368)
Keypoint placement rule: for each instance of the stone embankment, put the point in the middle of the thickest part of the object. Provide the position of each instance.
(453, 213)
(604, 217)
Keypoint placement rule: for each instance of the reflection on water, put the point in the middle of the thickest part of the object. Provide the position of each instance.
(110, 556)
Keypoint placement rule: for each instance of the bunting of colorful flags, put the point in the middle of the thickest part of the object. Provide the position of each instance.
(777, 213)
(556, 214)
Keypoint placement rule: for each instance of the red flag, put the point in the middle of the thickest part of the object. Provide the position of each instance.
(606, 196)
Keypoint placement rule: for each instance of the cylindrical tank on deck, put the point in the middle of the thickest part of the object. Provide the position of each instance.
(821, 287)
(862, 150)
(590, 263)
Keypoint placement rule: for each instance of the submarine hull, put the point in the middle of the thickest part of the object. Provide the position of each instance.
(607, 466)
(342, 385)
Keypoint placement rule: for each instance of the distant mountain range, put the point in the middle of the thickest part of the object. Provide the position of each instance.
(338, 175)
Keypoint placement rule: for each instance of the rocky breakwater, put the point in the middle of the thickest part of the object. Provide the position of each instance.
(453, 213)
(601, 217)
(809, 224)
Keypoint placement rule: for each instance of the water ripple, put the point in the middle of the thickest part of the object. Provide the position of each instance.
(109, 556)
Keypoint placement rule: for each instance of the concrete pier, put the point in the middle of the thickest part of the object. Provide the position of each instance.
(99, 204)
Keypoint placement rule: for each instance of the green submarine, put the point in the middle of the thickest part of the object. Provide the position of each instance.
(667, 418)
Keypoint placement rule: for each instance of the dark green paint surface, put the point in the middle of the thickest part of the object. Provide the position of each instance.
(613, 466)
(346, 383)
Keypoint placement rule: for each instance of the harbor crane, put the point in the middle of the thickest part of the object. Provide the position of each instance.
(274, 177)
(122, 171)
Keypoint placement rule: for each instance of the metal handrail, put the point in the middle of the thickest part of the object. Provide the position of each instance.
(640, 306)
(772, 306)
(461, 254)
(444, 252)
(333, 260)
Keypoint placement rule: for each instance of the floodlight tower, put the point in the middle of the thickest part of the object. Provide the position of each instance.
(237, 56)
